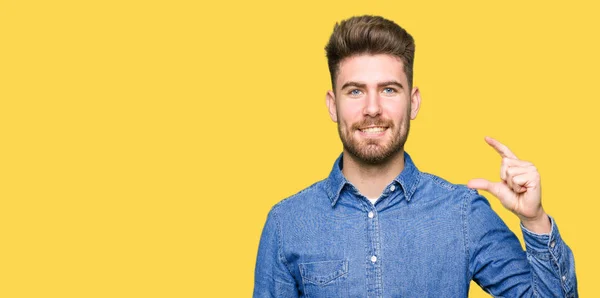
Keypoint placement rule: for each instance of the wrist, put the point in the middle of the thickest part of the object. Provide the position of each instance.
(540, 224)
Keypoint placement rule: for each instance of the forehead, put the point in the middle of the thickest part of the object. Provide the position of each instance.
(370, 69)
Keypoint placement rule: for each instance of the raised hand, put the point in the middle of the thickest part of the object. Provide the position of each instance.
(519, 189)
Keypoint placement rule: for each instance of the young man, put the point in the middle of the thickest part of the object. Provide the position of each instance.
(377, 226)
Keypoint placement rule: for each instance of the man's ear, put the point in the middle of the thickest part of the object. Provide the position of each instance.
(415, 102)
(330, 101)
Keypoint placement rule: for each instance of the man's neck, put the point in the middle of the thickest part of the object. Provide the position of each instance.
(372, 179)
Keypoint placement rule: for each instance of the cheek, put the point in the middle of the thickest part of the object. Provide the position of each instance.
(349, 114)
(397, 112)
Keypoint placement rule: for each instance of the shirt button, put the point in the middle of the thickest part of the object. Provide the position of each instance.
(393, 187)
(374, 259)
(552, 244)
(370, 214)
(564, 277)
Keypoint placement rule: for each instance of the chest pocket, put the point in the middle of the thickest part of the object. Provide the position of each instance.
(325, 279)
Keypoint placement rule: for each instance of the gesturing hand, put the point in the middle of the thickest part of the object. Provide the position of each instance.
(519, 191)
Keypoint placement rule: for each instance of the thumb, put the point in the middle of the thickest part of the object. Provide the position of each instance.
(499, 189)
(483, 184)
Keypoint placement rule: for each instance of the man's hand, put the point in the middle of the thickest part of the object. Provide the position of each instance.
(519, 191)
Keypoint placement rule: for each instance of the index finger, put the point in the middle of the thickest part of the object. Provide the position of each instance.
(500, 148)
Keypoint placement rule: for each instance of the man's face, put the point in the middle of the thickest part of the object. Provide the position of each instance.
(373, 106)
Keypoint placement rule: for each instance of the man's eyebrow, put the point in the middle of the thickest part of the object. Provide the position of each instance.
(395, 83)
(353, 84)
(363, 85)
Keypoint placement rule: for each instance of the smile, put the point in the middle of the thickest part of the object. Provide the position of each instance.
(373, 129)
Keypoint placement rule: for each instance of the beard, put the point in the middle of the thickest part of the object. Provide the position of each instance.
(374, 151)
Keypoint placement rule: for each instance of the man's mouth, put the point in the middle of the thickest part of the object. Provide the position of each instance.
(373, 129)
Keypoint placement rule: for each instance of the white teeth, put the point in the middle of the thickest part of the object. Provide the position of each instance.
(373, 129)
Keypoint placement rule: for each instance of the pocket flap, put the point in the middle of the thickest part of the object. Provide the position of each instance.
(321, 273)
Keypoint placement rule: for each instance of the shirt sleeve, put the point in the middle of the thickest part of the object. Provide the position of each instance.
(499, 265)
(272, 277)
(550, 258)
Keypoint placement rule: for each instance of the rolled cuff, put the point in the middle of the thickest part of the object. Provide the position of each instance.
(543, 243)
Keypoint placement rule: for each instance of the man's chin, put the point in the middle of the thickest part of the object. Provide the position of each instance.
(372, 151)
(372, 156)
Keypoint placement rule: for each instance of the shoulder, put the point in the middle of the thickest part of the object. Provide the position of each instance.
(444, 195)
(434, 186)
(308, 198)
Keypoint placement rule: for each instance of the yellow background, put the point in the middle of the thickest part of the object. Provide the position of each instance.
(144, 142)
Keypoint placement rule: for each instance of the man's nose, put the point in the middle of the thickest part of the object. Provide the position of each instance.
(373, 104)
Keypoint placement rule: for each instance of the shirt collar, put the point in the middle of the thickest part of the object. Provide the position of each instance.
(408, 179)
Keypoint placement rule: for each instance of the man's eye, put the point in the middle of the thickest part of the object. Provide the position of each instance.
(389, 90)
(355, 92)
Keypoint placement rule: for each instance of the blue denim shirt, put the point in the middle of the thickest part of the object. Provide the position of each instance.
(425, 237)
